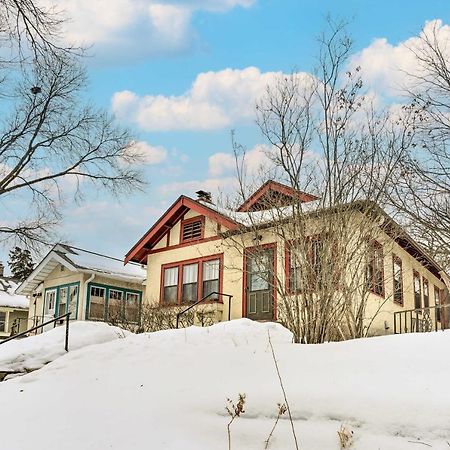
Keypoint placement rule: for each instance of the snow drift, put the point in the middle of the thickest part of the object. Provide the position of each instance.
(168, 390)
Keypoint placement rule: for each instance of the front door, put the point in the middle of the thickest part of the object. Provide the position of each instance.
(50, 303)
(260, 284)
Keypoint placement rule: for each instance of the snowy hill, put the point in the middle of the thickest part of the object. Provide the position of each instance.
(168, 390)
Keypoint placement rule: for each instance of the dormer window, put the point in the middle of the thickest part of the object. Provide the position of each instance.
(192, 229)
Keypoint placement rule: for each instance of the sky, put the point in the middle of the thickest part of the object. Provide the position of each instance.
(182, 74)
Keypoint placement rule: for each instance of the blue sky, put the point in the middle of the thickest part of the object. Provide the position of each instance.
(183, 74)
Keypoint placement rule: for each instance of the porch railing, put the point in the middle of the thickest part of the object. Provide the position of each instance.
(202, 300)
(63, 317)
(421, 320)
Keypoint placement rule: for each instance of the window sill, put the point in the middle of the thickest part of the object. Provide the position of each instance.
(185, 305)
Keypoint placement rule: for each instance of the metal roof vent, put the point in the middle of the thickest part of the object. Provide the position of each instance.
(204, 196)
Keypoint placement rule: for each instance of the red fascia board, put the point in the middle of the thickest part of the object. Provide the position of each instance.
(167, 220)
(277, 187)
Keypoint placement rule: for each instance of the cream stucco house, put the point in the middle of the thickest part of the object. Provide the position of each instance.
(13, 307)
(89, 285)
(188, 257)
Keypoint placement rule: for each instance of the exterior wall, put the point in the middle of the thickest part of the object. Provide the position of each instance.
(379, 310)
(383, 322)
(11, 315)
(60, 278)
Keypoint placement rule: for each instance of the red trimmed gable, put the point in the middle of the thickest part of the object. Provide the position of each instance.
(273, 191)
(178, 209)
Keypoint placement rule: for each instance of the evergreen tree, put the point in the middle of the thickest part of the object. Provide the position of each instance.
(20, 263)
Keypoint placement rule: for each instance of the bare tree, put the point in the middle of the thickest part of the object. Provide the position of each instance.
(422, 189)
(52, 142)
(326, 139)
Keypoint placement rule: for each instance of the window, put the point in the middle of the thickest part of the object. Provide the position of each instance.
(426, 293)
(2, 321)
(190, 283)
(316, 258)
(293, 269)
(132, 306)
(62, 301)
(211, 272)
(259, 272)
(170, 285)
(437, 302)
(115, 303)
(397, 280)
(417, 290)
(97, 303)
(191, 229)
(375, 270)
(50, 302)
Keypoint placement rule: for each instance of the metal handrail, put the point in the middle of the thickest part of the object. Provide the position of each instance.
(24, 333)
(219, 294)
(417, 315)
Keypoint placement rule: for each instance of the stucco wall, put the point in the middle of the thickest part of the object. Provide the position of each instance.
(233, 271)
(11, 315)
(59, 277)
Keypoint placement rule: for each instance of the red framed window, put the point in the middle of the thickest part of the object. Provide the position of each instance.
(397, 269)
(170, 290)
(437, 302)
(192, 229)
(426, 293)
(417, 286)
(375, 268)
(316, 258)
(188, 281)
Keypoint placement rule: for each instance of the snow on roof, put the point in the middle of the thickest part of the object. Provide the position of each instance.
(102, 264)
(79, 260)
(252, 218)
(7, 296)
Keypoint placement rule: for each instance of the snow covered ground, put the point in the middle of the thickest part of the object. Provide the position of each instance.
(168, 390)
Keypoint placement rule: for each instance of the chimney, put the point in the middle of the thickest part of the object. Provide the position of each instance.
(2, 269)
(204, 196)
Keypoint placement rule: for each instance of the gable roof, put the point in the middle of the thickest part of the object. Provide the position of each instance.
(79, 260)
(183, 204)
(265, 196)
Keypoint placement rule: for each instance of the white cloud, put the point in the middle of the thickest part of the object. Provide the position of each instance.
(215, 100)
(256, 160)
(148, 154)
(384, 65)
(135, 27)
(220, 163)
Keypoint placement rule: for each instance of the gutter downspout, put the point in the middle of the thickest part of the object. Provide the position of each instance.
(84, 310)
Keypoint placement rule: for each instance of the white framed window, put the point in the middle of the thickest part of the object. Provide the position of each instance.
(132, 305)
(97, 303)
(170, 285)
(115, 304)
(211, 276)
(50, 302)
(2, 321)
(62, 301)
(190, 283)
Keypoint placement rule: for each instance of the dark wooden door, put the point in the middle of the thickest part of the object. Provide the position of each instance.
(260, 284)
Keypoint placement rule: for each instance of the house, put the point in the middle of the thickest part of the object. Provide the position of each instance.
(13, 307)
(89, 285)
(191, 254)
